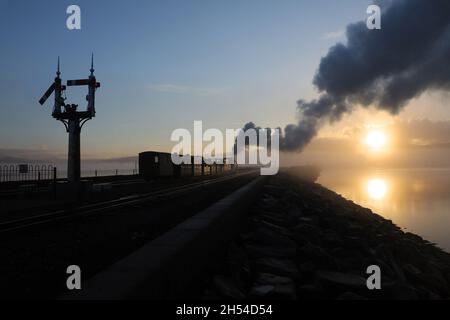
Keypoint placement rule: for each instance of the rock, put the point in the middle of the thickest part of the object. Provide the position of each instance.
(276, 190)
(274, 287)
(238, 265)
(397, 270)
(308, 220)
(307, 242)
(331, 239)
(277, 229)
(414, 237)
(285, 291)
(355, 229)
(307, 267)
(273, 219)
(226, 288)
(295, 212)
(307, 232)
(268, 201)
(425, 294)
(267, 236)
(261, 291)
(340, 281)
(385, 268)
(411, 271)
(259, 251)
(269, 278)
(276, 266)
(352, 242)
(316, 254)
(434, 280)
(311, 292)
(408, 250)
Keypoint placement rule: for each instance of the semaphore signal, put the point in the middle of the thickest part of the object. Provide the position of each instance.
(69, 115)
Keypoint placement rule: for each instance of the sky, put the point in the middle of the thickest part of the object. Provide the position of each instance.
(164, 64)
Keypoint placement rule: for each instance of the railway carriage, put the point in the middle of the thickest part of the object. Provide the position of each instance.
(154, 165)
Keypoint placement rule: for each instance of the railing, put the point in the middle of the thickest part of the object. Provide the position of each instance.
(17, 173)
(40, 172)
(108, 173)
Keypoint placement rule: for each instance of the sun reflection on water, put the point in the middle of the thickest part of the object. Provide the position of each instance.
(377, 189)
(417, 200)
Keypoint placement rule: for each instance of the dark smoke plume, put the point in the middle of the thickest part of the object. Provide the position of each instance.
(258, 131)
(383, 68)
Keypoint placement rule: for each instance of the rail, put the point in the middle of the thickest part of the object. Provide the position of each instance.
(98, 208)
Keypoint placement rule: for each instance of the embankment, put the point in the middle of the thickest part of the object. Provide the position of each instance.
(307, 242)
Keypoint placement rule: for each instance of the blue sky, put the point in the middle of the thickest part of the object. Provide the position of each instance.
(162, 64)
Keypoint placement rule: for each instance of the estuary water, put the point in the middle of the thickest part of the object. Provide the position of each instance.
(417, 200)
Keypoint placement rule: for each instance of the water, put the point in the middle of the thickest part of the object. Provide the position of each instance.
(417, 200)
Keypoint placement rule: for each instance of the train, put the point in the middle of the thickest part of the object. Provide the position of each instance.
(153, 164)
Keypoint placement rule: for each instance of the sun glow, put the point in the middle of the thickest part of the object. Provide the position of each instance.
(376, 140)
(377, 189)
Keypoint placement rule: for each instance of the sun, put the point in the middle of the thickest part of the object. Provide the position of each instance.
(376, 140)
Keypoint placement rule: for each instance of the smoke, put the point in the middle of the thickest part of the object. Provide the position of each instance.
(383, 68)
(258, 131)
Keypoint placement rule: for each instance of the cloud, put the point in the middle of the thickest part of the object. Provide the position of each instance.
(411, 144)
(182, 89)
(422, 134)
(384, 68)
(405, 135)
(8, 155)
(17, 156)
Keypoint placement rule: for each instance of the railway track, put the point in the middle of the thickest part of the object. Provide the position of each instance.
(36, 252)
(192, 247)
(27, 223)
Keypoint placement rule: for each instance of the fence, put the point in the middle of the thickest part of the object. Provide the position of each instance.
(26, 172)
(108, 173)
(35, 172)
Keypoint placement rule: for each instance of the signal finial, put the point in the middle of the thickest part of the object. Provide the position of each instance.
(58, 72)
(92, 64)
